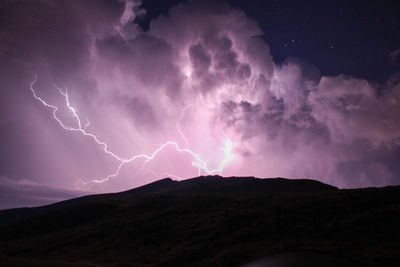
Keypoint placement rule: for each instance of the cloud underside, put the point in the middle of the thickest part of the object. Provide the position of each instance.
(25, 193)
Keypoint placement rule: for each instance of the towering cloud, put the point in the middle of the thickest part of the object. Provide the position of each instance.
(201, 77)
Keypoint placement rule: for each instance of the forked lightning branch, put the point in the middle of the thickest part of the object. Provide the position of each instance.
(197, 162)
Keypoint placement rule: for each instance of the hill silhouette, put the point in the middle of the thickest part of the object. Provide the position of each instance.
(206, 221)
(232, 185)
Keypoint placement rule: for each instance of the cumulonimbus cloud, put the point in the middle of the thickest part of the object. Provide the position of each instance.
(205, 60)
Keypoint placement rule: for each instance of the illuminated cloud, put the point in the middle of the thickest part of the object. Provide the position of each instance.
(200, 77)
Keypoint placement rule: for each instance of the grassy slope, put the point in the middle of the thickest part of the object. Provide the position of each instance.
(189, 226)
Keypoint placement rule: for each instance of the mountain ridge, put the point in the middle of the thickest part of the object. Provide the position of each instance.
(241, 185)
(207, 221)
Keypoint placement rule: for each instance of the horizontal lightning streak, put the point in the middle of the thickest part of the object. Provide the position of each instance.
(197, 160)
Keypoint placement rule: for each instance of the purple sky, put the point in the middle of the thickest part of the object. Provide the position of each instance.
(200, 78)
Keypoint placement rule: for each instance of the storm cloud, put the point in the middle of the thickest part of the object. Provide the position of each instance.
(198, 76)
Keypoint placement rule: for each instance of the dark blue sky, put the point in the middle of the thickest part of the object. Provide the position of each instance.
(338, 37)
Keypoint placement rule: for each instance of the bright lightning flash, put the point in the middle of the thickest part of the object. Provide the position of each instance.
(198, 162)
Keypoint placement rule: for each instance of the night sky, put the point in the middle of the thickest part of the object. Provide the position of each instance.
(358, 38)
(103, 96)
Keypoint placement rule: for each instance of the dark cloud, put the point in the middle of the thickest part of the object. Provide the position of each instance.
(394, 55)
(25, 193)
(201, 60)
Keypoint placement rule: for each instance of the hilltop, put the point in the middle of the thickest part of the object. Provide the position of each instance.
(207, 221)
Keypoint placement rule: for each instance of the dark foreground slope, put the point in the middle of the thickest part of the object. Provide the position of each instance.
(209, 221)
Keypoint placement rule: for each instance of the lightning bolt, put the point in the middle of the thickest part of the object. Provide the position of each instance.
(197, 162)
